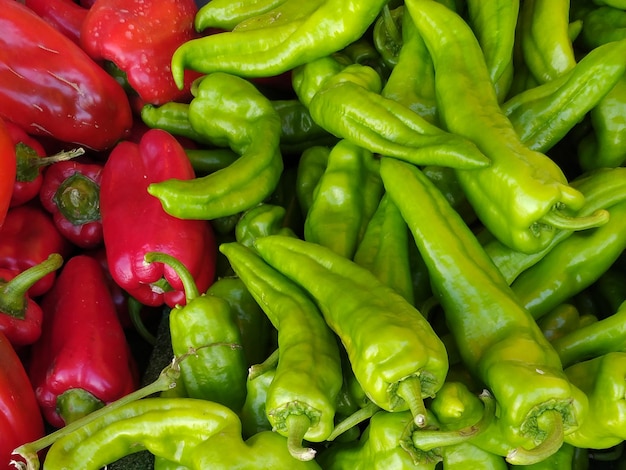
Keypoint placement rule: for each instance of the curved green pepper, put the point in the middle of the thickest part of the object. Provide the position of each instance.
(230, 111)
(226, 14)
(302, 397)
(394, 352)
(311, 167)
(260, 221)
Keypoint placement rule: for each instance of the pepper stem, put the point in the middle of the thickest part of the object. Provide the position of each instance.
(560, 221)
(134, 312)
(75, 403)
(78, 199)
(270, 363)
(29, 162)
(391, 26)
(354, 419)
(410, 390)
(553, 441)
(189, 284)
(430, 439)
(297, 426)
(13, 294)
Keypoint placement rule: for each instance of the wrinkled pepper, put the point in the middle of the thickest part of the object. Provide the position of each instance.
(20, 315)
(523, 196)
(20, 419)
(8, 162)
(220, 101)
(396, 356)
(537, 404)
(82, 359)
(73, 100)
(134, 222)
(70, 191)
(302, 396)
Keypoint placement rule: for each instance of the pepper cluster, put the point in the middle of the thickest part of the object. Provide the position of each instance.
(373, 234)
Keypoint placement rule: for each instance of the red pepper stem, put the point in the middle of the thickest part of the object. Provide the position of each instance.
(560, 221)
(354, 419)
(298, 425)
(13, 294)
(189, 284)
(410, 390)
(553, 420)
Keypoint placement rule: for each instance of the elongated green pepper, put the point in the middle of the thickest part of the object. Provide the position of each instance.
(260, 221)
(344, 199)
(278, 40)
(302, 396)
(311, 167)
(348, 104)
(601, 25)
(226, 14)
(394, 352)
(512, 357)
(523, 195)
(230, 111)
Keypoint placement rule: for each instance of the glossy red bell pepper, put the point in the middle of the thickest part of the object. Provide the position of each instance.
(20, 418)
(134, 222)
(27, 238)
(8, 169)
(20, 315)
(140, 37)
(64, 15)
(82, 360)
(65, 94)
(71, 193)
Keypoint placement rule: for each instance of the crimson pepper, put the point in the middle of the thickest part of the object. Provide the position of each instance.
(134, 222)
(71, 193)
(66, 94)
(20, 419)
(140, 38)
(82, 360)
(20, 315)
(8, 168)
(27, 238)
(65, 15)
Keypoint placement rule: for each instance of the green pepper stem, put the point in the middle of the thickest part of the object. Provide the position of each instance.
(29, 162)
(410, 390)
(59, 157)
(75, 403)
(552, 442)
(189, 284)
(297, 427)
(354, 419)
(560, 221)
(427, 439)
(259, 369)
(134, 312)
(13, 294)
(390, 25)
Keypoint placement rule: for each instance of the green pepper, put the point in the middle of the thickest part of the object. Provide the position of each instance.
(387, 35)
(344, 199)
(523, 195)
(260, 221)
(447, 182)
(211, 373)
(512, 357)
(602, 25)
(226, 14)
(561, 320)
(302, 396)
(210, 160)
(311, 167)
(467, 455)
(253, 414)
(230, 111)
(609, 288)
(174, 118)
(278, 40)
(348, 104)
(565, 458)
(394, 352)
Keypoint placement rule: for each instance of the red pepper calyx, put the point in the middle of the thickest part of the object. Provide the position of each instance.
(76, 403)
(29, 162)
(78, 199)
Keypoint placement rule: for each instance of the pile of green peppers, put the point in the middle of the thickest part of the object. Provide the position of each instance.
(421, 243)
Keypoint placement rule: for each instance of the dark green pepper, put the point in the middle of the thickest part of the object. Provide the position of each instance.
(601, 25)
(561, 320)
(253, 414)
(311, 167)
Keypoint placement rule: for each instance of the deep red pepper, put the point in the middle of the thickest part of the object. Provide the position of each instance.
(27, 238)
(82, 359)
(20, 315)
(65, 15)
(140, 37)
(71, 193)
(66, 95)
(20, 419)
(8, 168)
(134, 222)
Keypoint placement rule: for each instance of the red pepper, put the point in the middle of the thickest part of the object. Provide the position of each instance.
(20, 418)
(27, 238)
(71, 193)
(50, 86)
(82, 360)
(140, 38)
(20, 315)
(64, 15)
(134, 222)
(8, 169)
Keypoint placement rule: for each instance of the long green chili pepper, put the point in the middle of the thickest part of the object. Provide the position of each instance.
(226, 14)
(396, 356)
(302, 396)
(205, 161)
(348, 104)
(253, 416)
(278, 40)
(230, 111)
(512, 357)
(311, 167)
(344, 199)
(601, 25)
(523, 196)
(174, 118)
